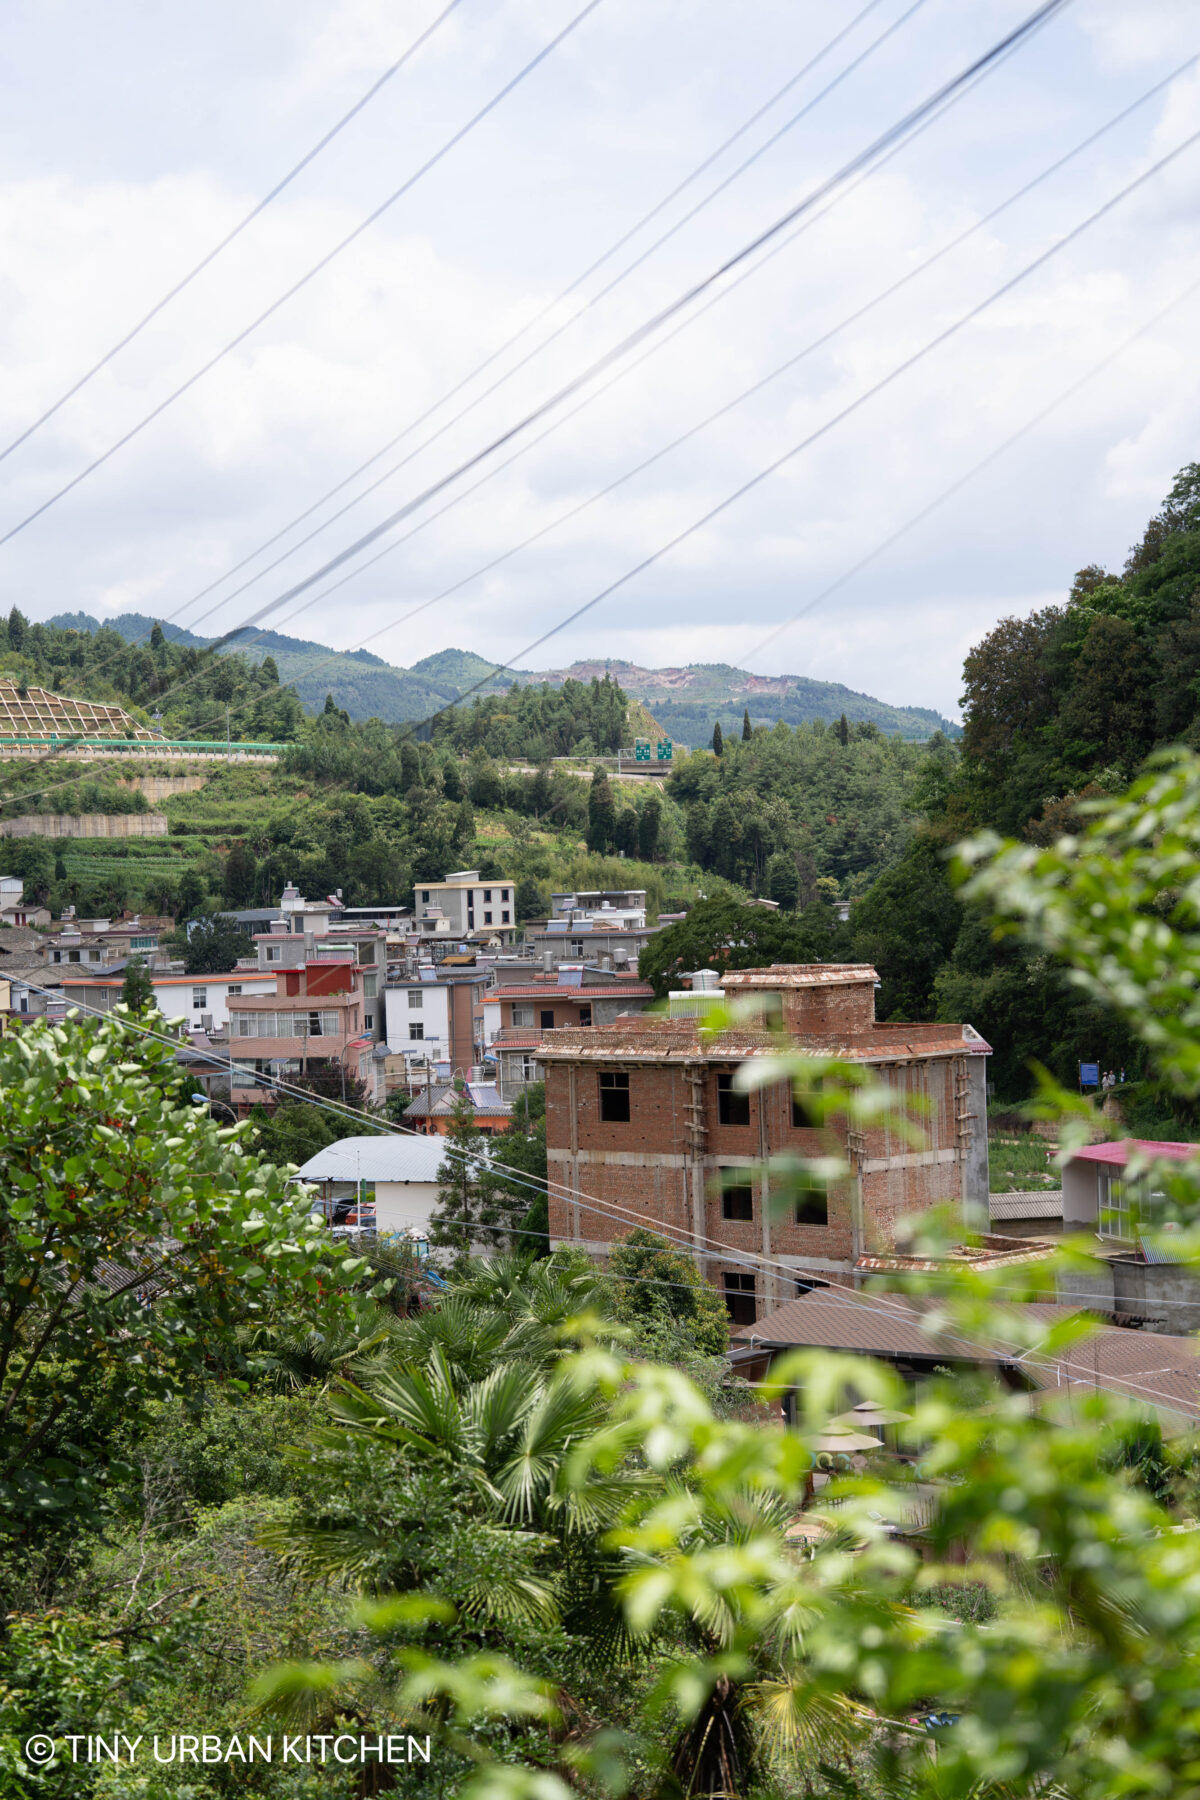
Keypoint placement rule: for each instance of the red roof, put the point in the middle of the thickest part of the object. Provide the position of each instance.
(1119, 1154)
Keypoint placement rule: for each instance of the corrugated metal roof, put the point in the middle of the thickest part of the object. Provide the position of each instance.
(1027, 1203)
(844, 1320)
(377, 1159)
(1120, 1153)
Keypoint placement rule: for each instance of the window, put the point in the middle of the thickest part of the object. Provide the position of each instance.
(506, 895)
(368, 1021)
(585, 1015)
(546, 1020)
(416, 999)
(370, 986)
(416, 1031)
(199, 998)
(576, 946)
(72, 956)
(366, 952)
(812, 1207)
(799, 1120)
(487, 896)
(737, 1194)
(739, 1299)
(57, 957)
(523, 1015)
(274, 952)
(614, 1097)
(143, 943)
(528, 1068)
(504, 919)
(235, 987)
(425, 897)
(732, 1108)
(487, 918)
(1120, 1206)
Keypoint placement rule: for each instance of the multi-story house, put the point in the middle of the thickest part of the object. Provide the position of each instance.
(464, 907)
(202, 1001)
(317, 1016)
(437, 1018)
(517, 1014)
(646, 1127)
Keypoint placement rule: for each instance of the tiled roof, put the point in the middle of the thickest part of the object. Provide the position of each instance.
(879, 1325)
(799, 975)
(655, 1039)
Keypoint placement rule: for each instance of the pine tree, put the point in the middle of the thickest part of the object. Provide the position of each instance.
(137, 990)
(18, 625)
(602, 814)
(718, 740)
(475, 1214)
(747, 728)
(841, 730)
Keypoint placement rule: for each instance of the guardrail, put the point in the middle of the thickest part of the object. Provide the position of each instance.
(68, 741)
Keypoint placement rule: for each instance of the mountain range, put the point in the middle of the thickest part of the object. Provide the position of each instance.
(686, 701)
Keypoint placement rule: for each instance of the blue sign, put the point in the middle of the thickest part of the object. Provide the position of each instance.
(1089, 1075)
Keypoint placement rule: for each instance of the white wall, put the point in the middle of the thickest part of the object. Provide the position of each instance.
(405, 1206)
(433, 1014)
(174, 998)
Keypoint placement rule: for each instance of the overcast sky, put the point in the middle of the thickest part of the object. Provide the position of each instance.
(133, 137)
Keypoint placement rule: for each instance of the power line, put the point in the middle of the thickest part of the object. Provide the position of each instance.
(863, 159)
(821, 431)
(879, 1304)
(316, 269)
(947, 97)
(212, 255)
(546, 311)
(746, 393)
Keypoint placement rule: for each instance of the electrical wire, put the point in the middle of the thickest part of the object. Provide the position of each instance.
(22, 796)
(862, 159)
(822, 430)
(530, 324)
(559, 330)
(949, 95)
(316, 269)
(727, 1253)
(212, 255)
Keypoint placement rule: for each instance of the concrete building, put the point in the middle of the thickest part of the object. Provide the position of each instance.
(518, 1013)
(202, 1001)
(392, 1180)
(437, 1018)
(316, 1017)
(465, 907)
(1134, 1276)
(643, 1119)
(98, 943)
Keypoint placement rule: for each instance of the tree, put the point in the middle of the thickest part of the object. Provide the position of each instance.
(649, 828)
(747, 728)
(452, 781)
(656, 1283)
(212, 945)
(718, 741)
(602, 813)
(841, 731)
(531, 901)
(137, 989)
(192, 893)
(136, 1239)
(517, 1178)
(724, 934)
(18, 626)
(240, 874)
(158, 640)
(783, 881)
(465, 1209)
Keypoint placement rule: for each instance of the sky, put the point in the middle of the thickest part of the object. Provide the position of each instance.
(133, 139)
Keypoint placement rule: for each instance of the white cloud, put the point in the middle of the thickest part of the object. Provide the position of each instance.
(512, 216)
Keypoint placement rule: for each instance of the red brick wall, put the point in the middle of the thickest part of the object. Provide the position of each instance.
(846, 1006)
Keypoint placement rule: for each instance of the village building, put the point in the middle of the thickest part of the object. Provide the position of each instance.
(388, 1184)
(435, 1018)
(316, 1018)
(645, 1126)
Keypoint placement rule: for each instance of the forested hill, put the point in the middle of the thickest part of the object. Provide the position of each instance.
(686, 702)
(1060, 708)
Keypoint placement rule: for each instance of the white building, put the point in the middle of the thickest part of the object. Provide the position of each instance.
(202, 1001)
(463, 904)
(396, 1174)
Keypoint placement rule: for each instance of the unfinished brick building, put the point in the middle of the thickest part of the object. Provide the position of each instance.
(642, 1118)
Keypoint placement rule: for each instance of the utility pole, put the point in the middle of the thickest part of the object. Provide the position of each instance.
(227, 728)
